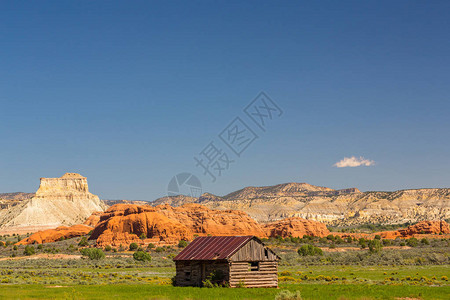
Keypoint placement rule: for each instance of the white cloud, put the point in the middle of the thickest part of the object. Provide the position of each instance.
(354, 162)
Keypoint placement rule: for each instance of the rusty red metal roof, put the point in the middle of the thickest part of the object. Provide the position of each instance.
(213, 247)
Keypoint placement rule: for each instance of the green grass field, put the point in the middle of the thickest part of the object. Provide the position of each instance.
(398, 274)
(319, 282)
(147, 291)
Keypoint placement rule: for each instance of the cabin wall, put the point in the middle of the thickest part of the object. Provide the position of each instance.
(265, 276)
(253, 251)
(193, 273)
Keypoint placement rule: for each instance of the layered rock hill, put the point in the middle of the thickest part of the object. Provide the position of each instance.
(58, 201)
(335, 207)
(53, 235)
(8, 200)
(123, 224)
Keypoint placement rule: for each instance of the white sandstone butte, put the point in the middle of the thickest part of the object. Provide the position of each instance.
(58, 201)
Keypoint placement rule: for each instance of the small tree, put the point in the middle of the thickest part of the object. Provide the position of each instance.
(83, 242)
(29, 250)
(142, 256)
(425, 241)
(363, 243)
(182, 244)
(93, 253)
(375, 246)
(412, 242)
(151, 246)
(133, 246)
(143, 236)
(306, 250)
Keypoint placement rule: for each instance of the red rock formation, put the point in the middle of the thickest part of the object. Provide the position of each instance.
(122, 224)
(421, 229)
(203, 221)
(53, 235)
(296, 227)
(426, 227)
(93, 219)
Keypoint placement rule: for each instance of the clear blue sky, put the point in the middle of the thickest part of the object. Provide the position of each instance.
(126, 93)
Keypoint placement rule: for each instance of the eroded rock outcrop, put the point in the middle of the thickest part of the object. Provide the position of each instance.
(125, 223)
(296, 227)
(53, 235)
(93, 219)
(122, 224)
(426, 227)
(58, 201)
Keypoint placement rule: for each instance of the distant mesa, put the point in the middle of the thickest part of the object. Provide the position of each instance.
(58, 201)
(344, 207)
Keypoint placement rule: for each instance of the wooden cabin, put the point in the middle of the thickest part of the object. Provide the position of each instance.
(227, 260)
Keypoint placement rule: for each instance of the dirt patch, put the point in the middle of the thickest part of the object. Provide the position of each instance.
(46, 256)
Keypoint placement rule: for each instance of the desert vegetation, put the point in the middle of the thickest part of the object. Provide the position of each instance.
(330, 267)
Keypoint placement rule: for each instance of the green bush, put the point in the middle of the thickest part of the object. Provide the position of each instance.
(362, 242)
(83, 242)
(375, 246)
(425, 241)
(142, 236)
(182, 244)
(133, 246)
(412, 242)
(108, 248)
(29, 250)
(159, 249)
(215, 279)
(142, 256)
(306, 250)
(15, 247)
(151, 246)
(288, 295)
(93, 253)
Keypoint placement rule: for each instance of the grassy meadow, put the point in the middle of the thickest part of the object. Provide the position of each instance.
(344, 270)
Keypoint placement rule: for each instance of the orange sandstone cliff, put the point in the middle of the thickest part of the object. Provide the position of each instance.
(296, 227)
(122, 224)
(53, 235)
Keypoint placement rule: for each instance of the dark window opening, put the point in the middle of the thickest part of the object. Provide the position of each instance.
(266, 253)
(187, 275)
(253, 266)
